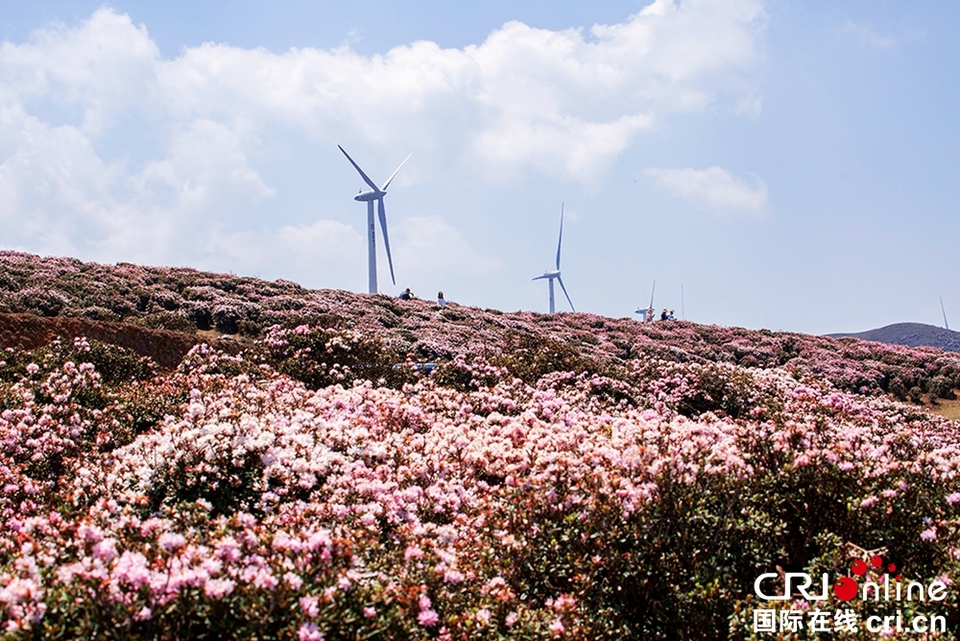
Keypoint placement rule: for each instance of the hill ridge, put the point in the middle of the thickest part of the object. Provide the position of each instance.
(186, 300)
(911, 335)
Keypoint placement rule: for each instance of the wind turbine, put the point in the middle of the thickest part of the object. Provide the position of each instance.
(555, 275)
(643, 311)
(375, 194)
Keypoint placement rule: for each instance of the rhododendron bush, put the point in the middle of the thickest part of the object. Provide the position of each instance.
(548, 477)
(228, 500)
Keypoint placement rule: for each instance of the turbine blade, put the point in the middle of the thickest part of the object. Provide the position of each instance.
(652, 292)
(394, 174)
(560, 240)
(366, 178)
(560, 280)
(386, 239)
(540, 277)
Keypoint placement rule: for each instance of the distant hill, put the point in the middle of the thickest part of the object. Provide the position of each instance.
(911, 335)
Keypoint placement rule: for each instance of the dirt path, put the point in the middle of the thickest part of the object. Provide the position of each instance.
(166, 348)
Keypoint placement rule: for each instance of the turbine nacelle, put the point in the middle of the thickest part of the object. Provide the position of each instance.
(367, 196)
(553, 274)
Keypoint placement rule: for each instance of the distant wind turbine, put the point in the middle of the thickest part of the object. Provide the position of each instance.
(375, 194)
(653, 290)
(555, 275)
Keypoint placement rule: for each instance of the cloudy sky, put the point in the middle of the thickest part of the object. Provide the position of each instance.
(788, 165)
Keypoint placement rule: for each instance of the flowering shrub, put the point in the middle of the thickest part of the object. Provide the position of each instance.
(477, 505)
(554, 477)
(319, 357)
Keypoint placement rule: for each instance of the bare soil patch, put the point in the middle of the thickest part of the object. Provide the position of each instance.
(946, 408)
(165, 347)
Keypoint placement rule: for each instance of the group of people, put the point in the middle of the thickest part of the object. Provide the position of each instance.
(648, 317)
(408, 295)
(664, 315)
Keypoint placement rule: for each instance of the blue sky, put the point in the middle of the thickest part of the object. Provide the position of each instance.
(789, 165)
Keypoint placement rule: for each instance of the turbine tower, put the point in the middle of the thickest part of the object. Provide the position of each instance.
(555, 275)
(375, 194)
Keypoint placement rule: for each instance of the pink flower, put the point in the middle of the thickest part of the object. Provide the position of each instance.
(557, 628)
(930, 534)
(171, 541)
(954, 498)
(218, 588)
(151, 525)
(229, 550)
(131, 569)
(105, 550)
(90, 533)
(563, 603)
(428, 618)
(310, 606)
(453, 576)
(283, 541)
(263, 579)
(309, 632)
(369, 612)
(320, 539)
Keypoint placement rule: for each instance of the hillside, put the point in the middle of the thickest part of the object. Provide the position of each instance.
(185, 301)
(911, 335)
(308, 476)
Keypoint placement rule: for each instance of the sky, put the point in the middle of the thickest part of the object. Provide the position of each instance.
(781, 165)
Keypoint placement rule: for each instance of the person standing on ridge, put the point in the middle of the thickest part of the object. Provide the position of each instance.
(440, 300)
(405, 294)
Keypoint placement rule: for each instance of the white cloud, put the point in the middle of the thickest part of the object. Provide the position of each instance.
(324, 250)
(430, 245)
(866, 36)
(109, 151)
(713, 187)
(104, 65)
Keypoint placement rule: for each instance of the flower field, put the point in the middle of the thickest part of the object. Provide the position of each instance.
(565, 476)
